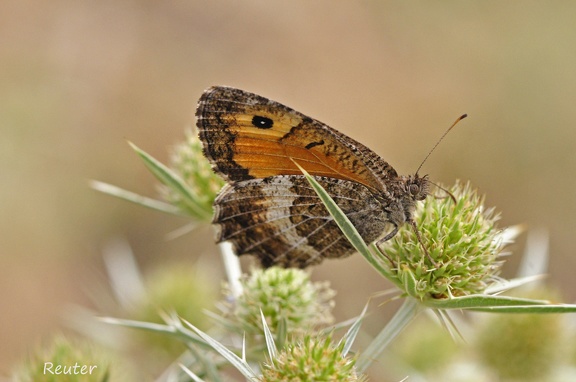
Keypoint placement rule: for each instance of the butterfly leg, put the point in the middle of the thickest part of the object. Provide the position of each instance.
(415, 228)
(389, 236)
(386, 238)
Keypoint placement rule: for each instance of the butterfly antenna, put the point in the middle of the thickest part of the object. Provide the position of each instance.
(440, 140)
(445, 190)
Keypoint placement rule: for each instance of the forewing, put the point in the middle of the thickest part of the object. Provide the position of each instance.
(246, 136)
(282, 221)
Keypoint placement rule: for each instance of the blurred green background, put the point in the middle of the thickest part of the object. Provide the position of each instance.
(79, 78)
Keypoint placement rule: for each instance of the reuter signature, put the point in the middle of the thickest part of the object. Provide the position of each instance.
(50, 368)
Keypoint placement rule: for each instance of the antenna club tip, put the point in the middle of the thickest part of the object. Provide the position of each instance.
(440, 140)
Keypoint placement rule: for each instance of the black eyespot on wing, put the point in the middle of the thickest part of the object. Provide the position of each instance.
(262, 122)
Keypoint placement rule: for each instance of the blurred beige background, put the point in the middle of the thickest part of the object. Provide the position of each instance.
(79, 78)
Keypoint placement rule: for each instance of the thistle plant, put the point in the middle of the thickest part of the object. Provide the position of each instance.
(280, 310)
(311, 359)
(461, 236)
(289, 300)
(188, 186)
(465, 243)
(65, 360)
(188, 162)
(308, 358)
(412, 349)
(173, 288)
(296, 307)
(523, 347)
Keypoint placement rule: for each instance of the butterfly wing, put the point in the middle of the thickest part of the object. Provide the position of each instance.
(283, 222)
(246, 136)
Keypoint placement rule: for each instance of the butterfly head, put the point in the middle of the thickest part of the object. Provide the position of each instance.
(417, 187)
(409, 190)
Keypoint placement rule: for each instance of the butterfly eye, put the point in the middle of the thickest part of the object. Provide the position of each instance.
(414, 189)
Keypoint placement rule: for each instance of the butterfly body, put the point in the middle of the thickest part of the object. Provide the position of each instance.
(268, 208)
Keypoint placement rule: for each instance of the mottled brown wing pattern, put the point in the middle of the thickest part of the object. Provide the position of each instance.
(282, 221)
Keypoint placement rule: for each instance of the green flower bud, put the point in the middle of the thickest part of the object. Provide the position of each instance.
(522, 347)
(178, 289)
(311, 359)
(413, 347)
(67, 361)
(190, 164)
(462, 239)
(288, 299)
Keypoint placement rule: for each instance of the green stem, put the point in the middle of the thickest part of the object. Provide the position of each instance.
(401, 319)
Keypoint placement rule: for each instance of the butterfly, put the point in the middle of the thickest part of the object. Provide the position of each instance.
(268, 208)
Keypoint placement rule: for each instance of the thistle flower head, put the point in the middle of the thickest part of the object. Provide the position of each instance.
(523, 347)
(174, 288)
(461, 237)
(63, 359)
(413, 347)
(189, 163)
(286, 297)
(311, 359)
